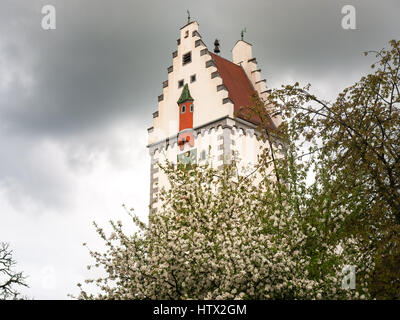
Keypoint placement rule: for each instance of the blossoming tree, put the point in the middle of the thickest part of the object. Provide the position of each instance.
(355, 140)
(220, 235)
(327, 199)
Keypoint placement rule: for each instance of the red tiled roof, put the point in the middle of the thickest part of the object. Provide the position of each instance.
(238, 84)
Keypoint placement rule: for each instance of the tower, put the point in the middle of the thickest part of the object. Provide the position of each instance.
(186, 110)
(196, 119)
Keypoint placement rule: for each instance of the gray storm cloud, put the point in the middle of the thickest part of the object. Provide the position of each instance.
(106, 60)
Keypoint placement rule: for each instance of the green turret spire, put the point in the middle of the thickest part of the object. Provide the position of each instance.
(185, 95)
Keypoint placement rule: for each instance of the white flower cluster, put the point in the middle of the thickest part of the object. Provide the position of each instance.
(222, 237)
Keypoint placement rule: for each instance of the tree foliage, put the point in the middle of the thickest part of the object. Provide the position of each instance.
(224, 236)
(355, 140)
(9, 278)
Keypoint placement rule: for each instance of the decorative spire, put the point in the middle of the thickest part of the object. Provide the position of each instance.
(188, 16)
(242, 33)
(185, 95)
(216, 44)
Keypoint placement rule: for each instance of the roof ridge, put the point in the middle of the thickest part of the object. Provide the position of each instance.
(239, 86)
(213, 54)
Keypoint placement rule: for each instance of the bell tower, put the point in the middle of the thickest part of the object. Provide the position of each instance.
(203, 124)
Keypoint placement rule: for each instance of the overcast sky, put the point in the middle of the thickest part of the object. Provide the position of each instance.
(75, 104)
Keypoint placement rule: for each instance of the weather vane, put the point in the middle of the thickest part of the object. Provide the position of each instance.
(242, 33)
(188, 15)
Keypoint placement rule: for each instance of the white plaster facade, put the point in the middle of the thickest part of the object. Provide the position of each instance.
(216, 130)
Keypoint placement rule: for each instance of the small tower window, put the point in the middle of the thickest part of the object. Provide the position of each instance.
(192, 78)
(183, 110)
(180, 83)
(187, 33)
(187, 58)
(191, 108)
